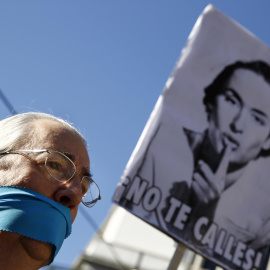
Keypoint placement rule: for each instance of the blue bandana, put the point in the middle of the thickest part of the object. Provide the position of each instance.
(32, 214)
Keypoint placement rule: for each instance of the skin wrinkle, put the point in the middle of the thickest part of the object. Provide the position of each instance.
(44, 251)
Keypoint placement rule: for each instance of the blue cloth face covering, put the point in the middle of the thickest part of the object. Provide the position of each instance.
(32, 214)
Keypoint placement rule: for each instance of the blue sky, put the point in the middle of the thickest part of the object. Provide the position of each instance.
(102, 65)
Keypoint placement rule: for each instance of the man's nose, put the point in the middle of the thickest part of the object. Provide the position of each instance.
(70, 193)
(239, 121)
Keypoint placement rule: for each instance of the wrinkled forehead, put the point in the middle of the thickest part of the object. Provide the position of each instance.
(48, 134)
(252, 89)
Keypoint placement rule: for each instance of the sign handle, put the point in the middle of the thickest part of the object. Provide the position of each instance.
(177, 257)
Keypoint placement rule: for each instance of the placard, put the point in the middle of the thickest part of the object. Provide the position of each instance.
(200, 170)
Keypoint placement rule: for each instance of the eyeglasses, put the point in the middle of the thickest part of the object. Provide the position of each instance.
(62, 169)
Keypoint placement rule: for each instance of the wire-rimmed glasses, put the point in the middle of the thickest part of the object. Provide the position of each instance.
(62, 169)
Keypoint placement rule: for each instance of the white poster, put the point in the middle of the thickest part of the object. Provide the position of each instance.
(200, 171)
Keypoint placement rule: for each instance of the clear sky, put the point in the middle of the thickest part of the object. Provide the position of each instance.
(101, 64)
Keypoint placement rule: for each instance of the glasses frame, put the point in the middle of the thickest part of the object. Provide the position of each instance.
(89, 204)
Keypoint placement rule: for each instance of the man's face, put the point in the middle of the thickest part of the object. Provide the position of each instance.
(51, 135)
(240, 117)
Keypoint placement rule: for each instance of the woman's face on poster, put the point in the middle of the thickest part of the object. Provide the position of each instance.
(240, 117)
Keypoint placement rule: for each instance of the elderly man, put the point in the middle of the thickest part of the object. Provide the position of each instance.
(44, 175)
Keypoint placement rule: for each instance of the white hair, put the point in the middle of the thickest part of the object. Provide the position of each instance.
(15, 130)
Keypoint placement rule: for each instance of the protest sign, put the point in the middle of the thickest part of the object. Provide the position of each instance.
(199, 172)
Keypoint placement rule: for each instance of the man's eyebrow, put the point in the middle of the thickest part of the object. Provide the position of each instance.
(260, 112)
(234, 93)
(70, 156)
(85, 171)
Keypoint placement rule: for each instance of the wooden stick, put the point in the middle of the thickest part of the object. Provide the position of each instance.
(177, 257)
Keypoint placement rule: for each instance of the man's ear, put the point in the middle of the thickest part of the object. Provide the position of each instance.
(266, 144)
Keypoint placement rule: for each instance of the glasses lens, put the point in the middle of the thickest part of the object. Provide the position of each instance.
(59, 166)
(91, 192)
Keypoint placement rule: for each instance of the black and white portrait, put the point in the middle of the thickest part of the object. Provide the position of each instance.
(199, 172)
